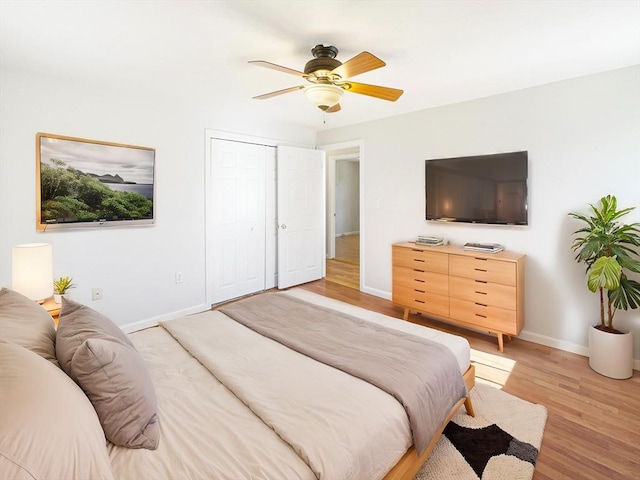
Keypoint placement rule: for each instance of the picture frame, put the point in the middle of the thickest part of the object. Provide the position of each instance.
(82, 183)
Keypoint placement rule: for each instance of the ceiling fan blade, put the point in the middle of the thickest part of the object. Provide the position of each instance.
(280, 68)
(335, 108)
(278, 92)
(385, 93)
(363, 62)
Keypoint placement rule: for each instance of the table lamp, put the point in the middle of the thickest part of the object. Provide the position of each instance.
(32, 273)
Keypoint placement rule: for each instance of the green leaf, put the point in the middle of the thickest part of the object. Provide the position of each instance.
(627, 296)
(605, 272)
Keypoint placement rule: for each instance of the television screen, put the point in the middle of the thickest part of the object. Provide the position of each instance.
(489, 189)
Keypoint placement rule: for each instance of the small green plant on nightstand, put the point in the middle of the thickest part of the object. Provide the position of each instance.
(61, 286)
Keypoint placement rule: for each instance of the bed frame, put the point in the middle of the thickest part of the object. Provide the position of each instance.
(410, 464)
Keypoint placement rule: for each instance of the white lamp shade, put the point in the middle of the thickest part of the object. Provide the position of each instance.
(33, 270)
(324, 96)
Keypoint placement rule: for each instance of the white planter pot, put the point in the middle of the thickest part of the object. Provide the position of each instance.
(611, 354)
(57, 298)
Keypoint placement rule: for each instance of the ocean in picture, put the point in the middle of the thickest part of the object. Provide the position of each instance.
(144, 189)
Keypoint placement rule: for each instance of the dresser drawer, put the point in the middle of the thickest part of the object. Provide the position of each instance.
(424, 260)
(421, 280)
(485, 269)
(420, 300)
(493, 319)
(496, 294)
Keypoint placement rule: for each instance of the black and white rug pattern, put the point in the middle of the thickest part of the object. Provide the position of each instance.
(500, 443)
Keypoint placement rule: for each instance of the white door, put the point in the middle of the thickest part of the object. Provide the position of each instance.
(238, 240)
(301, 215)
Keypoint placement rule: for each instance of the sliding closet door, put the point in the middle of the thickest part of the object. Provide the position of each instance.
(238, 240)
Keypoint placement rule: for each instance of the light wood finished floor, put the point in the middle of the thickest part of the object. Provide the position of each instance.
(593, 423)
(344, 269)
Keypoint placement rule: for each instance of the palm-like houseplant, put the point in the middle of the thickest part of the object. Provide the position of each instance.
(607, 247)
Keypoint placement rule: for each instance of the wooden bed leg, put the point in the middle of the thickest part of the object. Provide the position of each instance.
(500, 343)
(470, 381)
(406, 313)
(468, 406)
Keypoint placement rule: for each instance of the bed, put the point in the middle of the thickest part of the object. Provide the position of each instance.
(223, 400)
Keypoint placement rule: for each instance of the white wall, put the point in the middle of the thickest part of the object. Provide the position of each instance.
(135, 267)
(347, 197)
(583, 138)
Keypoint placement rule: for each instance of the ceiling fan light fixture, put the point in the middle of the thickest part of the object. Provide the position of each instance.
(324, 96)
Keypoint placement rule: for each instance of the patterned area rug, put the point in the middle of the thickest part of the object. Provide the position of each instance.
(501, 442)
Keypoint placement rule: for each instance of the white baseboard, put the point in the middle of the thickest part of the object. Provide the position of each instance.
(554, 342)
(563, 345)
(152, 322)
(376, 293)
(524, 335)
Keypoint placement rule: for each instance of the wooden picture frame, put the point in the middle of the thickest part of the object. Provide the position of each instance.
(83, 183)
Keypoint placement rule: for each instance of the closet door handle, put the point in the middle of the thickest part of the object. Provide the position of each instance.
(283, 226)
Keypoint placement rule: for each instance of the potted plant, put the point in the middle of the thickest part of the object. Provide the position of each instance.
(60, 287)
(609, 250)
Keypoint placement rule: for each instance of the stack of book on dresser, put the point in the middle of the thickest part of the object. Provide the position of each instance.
(432, 241)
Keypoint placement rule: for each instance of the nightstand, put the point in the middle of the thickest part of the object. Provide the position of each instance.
(52, 309)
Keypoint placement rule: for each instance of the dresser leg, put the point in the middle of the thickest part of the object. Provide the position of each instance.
(500, 343)
(406, 313)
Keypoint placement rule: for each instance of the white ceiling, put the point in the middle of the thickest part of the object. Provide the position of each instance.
(439, 52)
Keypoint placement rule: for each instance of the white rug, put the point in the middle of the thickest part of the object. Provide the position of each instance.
(500, 443)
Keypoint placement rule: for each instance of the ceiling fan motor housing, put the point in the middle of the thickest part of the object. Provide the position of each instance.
(325, 59)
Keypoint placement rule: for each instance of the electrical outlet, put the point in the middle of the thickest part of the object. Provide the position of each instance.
(179, 277)
(96, 294)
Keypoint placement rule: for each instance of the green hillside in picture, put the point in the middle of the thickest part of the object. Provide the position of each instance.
(69, 195)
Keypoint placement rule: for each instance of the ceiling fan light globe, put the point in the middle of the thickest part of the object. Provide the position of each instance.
(324, 96)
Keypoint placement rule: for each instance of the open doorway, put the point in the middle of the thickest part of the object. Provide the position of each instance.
(344, 228)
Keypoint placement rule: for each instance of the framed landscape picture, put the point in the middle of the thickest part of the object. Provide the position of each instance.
(84, 183)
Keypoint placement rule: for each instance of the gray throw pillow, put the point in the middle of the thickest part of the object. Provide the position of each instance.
(97, 354)
(117, 382)
(25, 323)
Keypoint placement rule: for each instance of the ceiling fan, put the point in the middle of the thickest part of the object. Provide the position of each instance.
(328, 78)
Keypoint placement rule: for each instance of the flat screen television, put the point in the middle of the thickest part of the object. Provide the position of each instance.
(487, 189)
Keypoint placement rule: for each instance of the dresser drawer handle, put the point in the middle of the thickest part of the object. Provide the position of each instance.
(480, 304)
(481, 293)
(481, 281)
(418, 280)
(479, 270)
(482, 316)
(418, 260)
(419, 271)
(419, 301)
(481, 259)
(419, 291)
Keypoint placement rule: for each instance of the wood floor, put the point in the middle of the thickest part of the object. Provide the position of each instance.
(593, 423)
(344, 269)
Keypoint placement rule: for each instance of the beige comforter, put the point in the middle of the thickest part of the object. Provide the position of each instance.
(420, 373)
(332, 425)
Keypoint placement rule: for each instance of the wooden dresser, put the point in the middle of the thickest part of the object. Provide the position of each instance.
(484, 291)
